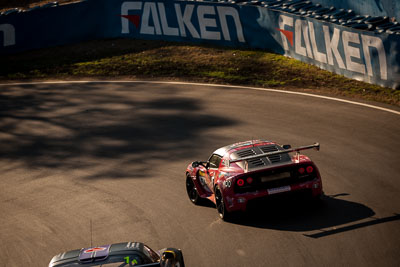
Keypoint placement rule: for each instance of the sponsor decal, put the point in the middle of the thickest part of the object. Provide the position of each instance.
(357, 47)
(8, 31)
(202, 178)
(209, 22)
(225, 174)
(90, 250)
(94, 252)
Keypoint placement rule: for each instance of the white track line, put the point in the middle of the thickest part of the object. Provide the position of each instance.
(214, 85)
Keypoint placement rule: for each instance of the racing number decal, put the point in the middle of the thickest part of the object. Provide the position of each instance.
(128, 261)
(228, 183)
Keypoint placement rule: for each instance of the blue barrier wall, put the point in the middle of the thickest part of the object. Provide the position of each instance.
(356, 54)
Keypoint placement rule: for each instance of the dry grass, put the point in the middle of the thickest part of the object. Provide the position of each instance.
(150, 59)
(177, 61)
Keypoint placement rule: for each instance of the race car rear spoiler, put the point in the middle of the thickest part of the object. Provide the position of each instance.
(315, 146)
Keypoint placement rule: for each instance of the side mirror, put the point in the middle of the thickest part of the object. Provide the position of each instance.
(195, 164)
(287, 146)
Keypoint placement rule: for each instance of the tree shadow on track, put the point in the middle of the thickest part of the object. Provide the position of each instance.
(330, 216)
(116, 128)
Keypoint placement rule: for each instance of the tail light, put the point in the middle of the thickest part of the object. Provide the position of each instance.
(249, 180)
(240, 182)
(301, 170)
(310, 169)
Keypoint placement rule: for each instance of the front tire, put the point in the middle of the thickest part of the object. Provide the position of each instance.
(192, 190)
(221, 207)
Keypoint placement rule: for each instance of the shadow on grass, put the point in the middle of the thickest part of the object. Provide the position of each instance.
(101, 127)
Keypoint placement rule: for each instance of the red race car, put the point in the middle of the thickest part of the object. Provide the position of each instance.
(240, 173)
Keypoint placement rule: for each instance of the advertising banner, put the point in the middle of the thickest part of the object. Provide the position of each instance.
(361, 55)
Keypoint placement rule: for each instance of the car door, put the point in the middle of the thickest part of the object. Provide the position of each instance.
(212, 170)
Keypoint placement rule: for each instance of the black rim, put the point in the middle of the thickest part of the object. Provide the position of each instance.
(191, 189)
(220, 204)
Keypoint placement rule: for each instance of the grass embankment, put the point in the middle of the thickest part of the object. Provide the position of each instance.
(175, 61)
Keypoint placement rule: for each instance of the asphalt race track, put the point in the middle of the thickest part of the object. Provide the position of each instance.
(99, 163)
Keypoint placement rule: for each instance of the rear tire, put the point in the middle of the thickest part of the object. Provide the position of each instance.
(221, 207)
(192, 191)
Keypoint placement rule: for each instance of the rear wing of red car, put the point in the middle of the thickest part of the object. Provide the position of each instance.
(315, 146)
